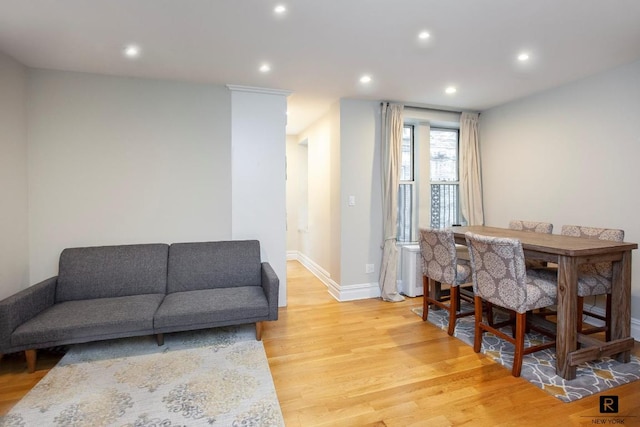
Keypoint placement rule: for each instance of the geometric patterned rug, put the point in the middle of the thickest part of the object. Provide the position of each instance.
(539, 368)
(211, 377)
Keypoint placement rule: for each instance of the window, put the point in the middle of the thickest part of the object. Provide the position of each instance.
(444, 177)
(406, 189)
(443, 180)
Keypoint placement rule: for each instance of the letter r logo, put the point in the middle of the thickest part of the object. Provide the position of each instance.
(608, 404)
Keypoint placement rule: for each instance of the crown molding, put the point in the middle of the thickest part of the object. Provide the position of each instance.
(266, 91)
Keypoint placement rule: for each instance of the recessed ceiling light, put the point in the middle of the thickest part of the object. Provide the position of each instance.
(365, 79)
(523, 57)
(280, 9)
(424, 35)
(450, 90)
(265, 68)
(132, 51)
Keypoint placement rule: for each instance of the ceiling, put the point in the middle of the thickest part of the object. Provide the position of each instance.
(320, 49)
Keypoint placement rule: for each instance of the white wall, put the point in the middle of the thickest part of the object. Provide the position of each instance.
(296, 189)
(568, 156)
(360, 177)
(258, 142)
(14, 254)
(317, 245)
(124, 160)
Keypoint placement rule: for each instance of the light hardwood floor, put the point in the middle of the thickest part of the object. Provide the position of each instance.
(373, 363)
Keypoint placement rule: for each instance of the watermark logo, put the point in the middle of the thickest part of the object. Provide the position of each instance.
(608, 404)
(609, 410)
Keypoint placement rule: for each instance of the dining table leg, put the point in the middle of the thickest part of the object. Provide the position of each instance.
(621, 303)
(566, 339)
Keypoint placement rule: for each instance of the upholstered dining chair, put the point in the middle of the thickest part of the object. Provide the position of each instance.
(534, 227)
(500, 278)
(440, 266)
(594, 279)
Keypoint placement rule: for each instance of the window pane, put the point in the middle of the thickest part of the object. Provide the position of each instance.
(444, 155)
(444, 205)
(405, 212)
(406, 157)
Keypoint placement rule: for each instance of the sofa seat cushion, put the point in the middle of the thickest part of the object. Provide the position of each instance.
(94, 319)
(208, 306)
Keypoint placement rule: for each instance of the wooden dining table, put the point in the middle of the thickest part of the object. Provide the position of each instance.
(568, 253)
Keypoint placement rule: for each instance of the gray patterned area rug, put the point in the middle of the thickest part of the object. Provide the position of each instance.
(211, 377)
(539, 368)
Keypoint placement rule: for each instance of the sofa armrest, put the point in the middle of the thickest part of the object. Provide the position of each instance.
(25, 305)
(271, 285)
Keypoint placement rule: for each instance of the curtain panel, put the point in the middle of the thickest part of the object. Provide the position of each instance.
(471, 206)
(391, 138)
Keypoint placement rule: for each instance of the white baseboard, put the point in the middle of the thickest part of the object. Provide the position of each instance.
(357, 291)
(339, 292)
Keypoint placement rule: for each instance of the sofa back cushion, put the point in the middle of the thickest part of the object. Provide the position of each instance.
(209, 265)
(112, 271)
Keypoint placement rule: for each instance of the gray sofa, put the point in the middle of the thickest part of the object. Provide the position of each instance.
(130, 290)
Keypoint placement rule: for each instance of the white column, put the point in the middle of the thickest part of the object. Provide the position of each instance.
(258, 186)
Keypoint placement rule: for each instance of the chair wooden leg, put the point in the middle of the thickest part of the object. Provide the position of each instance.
(579, 313)
(258, 331)
(436, 290)
(521, 326)
(453, 308)
(607, 316)
(160, 339)
(425, 295)
(514, 326)
(31, 360)
(489, 313)
(477, 341)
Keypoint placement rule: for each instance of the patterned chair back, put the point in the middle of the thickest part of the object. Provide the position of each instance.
(602, 269)
(439, 256)
(500, 276)
(611, 234)
(536, 227)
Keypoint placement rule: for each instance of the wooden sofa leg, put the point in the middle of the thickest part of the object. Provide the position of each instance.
(31, 360)
(259, 331)
(160, 339)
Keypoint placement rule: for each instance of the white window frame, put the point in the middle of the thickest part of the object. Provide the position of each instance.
(456, 220)
(421, 183)
(413, 188)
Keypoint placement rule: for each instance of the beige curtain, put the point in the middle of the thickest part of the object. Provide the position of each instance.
(391, 127)
(470, 173)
